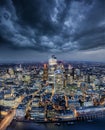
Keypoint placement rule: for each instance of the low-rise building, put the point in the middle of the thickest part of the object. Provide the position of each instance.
(20, 112)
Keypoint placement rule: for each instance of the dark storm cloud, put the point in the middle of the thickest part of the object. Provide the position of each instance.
(52, 25)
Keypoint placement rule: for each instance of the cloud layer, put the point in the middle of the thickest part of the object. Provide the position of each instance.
(52, 25)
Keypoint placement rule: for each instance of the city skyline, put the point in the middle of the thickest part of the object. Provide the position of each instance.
(33, 30)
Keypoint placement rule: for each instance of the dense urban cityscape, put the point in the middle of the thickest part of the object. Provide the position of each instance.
(52, 64)
(54, 91)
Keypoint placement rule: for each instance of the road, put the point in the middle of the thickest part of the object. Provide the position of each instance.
(7, 120)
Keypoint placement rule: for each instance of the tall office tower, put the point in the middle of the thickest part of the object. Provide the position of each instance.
(78, 73)
(88, 78)
(45, 72)
(53, 61)
(60, 66)
(51, 68)
(73, 72)
(58, 81)
(70, 76)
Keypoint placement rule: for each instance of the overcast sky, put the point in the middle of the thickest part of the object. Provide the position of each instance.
(32, 30)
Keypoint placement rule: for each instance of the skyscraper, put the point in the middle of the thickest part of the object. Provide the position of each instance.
(45, 72)
(51, 68)
(58, 80)
(52, 60)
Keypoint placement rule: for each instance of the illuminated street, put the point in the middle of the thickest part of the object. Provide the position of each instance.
(7, 120)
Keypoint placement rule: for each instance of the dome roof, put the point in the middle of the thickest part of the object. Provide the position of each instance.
(58, 71)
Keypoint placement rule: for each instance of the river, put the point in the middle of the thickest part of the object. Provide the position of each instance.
(95, 125)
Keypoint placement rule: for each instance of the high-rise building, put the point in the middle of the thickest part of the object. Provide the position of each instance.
(78, 73)
(70, 74)
(58, 81)
(45, 72)
(56, 74)
(52, 61)
(52, 68)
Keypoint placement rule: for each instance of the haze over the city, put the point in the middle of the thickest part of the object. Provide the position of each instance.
(32, 30)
